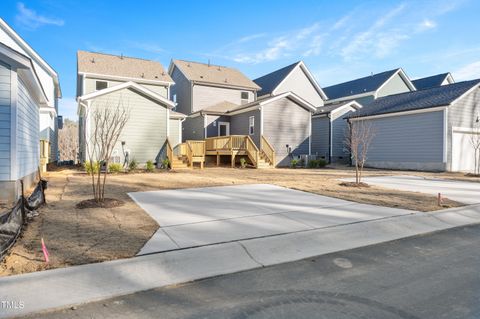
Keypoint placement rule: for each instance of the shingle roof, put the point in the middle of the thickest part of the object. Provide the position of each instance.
(270, 81)
(327, 108)
(221, 107)
(107, 64)
(214, 74)
(430, 81)
(423, 99)
(358, 86)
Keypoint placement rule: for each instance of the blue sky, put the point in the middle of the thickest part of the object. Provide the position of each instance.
(338, 40)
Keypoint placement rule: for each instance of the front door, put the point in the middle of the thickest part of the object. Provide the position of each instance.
(223, 128)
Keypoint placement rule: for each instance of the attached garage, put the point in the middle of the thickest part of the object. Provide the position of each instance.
(463, 150)
(428, 130)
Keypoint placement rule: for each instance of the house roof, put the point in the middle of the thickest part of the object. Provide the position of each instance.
(121, 66)
(213, 74)
(431, 81)
(363, 85)
(221, 107)
(416, 100)
(269, 82)
(177, 115)
(328, 108)
(129, 85)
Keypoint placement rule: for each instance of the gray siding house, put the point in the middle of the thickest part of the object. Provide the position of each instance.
(27, 86)
(430, 129)
(140, 86)
(221, 101)
(343, 100)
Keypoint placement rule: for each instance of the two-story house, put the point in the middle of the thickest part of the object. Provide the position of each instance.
(222, 101)
(329, 124)
(29, 90)
(142, 87)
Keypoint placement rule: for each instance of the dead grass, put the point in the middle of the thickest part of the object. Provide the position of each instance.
(77, 236)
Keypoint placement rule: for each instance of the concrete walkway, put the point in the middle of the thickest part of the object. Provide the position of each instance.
(211, 215)
(60, 288)
(460, 191)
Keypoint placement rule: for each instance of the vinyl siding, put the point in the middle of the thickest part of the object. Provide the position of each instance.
(394, 86)
(321, 136)
(412, 141)
(182, 88)
(28, 140)
(204, 96)
(298, 83)
(174, 134)
(462, 114)
(339, 131)
(239, 125)
(90, 86)
(5, 105)
(285, 122)
(212, 124)
(146, 129)
(193, 128)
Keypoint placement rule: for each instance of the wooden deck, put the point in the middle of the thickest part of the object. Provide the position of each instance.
(194, 151)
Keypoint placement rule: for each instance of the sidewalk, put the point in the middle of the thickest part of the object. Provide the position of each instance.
(60, 288)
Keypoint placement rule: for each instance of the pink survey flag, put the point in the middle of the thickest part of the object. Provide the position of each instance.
(45, 251)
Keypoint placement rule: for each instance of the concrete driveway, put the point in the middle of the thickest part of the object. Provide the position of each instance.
(460, 191)
(204, 216)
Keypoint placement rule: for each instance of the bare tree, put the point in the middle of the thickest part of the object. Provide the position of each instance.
(358, 139)
(475, 142)
(68, 141)
(106, 124)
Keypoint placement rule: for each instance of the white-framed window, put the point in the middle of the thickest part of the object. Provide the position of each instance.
(244, 97)
(100, 85)
(251, 125)
(174, 98)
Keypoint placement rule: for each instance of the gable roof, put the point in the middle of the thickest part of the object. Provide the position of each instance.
(213, 74)
(423, 99)
(129, 85)
(332, 107)
(121, 66)
(227, 108)
(432, 81)
(367, 84)
(269, 82)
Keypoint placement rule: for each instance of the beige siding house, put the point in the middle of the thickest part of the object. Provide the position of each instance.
(140, 86)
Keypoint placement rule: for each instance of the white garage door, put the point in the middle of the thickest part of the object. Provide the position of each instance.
(463, 153)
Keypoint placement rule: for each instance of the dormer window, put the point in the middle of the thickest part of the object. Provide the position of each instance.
(244, 97)
(100, 85)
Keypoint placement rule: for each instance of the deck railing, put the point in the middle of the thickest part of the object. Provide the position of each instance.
(268, 150)
(252, 150)
(195, 151)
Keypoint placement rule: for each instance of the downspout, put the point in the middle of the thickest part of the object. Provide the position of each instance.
(350, 133)
(330, 137)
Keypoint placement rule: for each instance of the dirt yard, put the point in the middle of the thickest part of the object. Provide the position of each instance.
(79, 236)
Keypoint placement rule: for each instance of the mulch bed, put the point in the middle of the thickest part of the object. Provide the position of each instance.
(107, 203)
(353, 184)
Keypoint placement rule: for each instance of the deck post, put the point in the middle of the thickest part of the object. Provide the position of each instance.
(233, 160)
(218, 159)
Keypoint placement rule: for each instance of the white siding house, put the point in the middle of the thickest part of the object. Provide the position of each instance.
(27, 85)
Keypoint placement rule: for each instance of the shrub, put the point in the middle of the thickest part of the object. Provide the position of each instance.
(150, 167)
(317, 163)
(322, 163)
(166, 163)
(133, 165)
(89, 168)
(115, 168)
(293, 163)
(243, 162)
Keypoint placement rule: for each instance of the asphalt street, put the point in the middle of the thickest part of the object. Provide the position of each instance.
(432, 276)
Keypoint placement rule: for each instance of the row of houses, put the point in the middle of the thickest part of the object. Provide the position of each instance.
(29, 93)
(425, 124)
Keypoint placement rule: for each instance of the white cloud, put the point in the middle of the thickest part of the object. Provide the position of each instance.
(426, 24)
(30, 19)
(147, 47)
(68, 108)
(468, 72)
